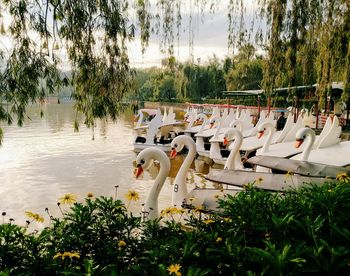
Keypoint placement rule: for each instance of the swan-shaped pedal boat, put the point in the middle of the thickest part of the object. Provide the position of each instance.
(328, 160)
(206, 197)
(160, 132)
(264, 180)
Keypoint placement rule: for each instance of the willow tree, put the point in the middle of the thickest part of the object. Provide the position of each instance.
(275, 11)
(95, 34)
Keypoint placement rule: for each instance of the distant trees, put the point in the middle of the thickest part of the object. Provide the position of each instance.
(246, 70)
(196, 82)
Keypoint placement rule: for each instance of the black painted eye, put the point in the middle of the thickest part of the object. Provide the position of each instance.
(142, 161)
(175, 146)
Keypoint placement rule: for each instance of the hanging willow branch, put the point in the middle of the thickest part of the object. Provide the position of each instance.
(300, 35)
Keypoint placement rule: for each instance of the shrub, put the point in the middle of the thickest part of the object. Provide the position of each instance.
(257, 232)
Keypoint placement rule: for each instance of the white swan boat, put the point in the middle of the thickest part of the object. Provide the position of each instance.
(250, 144)
(262, 180)
(286, 149)
(197, 196)
(327, 160)
(277, 181)
(161, 130)
(218, 125)
(206, 199)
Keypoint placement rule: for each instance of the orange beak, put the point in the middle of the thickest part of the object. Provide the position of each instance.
(173, 153)
(260, 134)
(138, 171)
(225, 141)
(298, 143)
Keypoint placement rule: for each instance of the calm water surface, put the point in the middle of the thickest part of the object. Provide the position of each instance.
(45, 159)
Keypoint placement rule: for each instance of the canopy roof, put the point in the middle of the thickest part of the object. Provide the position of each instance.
(256, 92)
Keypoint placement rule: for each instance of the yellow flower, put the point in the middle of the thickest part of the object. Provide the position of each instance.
(208, 221)
(68, 199)
(57, 255)
(330, 190)
(174, 269)
(67, 254)
(121, 244)
(199, 209)
(90, 195)
(219, 239)
(34, 216)
(289, 174)
(343, 177)
(227, 219)
(180, 211)
(74, 255)
(169, 211)
(132, 195)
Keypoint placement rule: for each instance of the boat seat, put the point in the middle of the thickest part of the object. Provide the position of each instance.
(164, 141)
(224, 153)
(140, 139)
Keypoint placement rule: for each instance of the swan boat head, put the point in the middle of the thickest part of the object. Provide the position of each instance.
(180, 186)
(233, 161)
(214, 121)
(264, 127)
(238, 123)
(302, 135)
(144, 160)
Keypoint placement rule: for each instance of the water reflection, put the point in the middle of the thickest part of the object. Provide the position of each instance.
(45, 159)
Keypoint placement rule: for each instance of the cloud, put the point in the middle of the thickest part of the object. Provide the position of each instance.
(209, 34)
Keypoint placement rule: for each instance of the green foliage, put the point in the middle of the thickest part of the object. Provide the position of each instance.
(180, 82)
(257, 232)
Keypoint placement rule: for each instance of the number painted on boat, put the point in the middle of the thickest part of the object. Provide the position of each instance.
(176, 188)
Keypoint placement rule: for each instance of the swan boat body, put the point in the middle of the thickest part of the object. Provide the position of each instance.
(262, 180)
(249, 145)
(201, 123)
(305, 168)
(197, 196)
(219, 126)
(160, 132)
(286, 149)
(328, 159)
(329, 150)
(144, 116)
(144, 160)
(274, 181)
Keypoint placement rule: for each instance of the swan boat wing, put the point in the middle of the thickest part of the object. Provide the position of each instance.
(298, 167)
(266, 181)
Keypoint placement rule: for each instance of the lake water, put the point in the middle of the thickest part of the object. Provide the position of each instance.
(45, 159)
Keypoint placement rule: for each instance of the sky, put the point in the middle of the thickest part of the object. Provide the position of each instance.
(210, 37)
